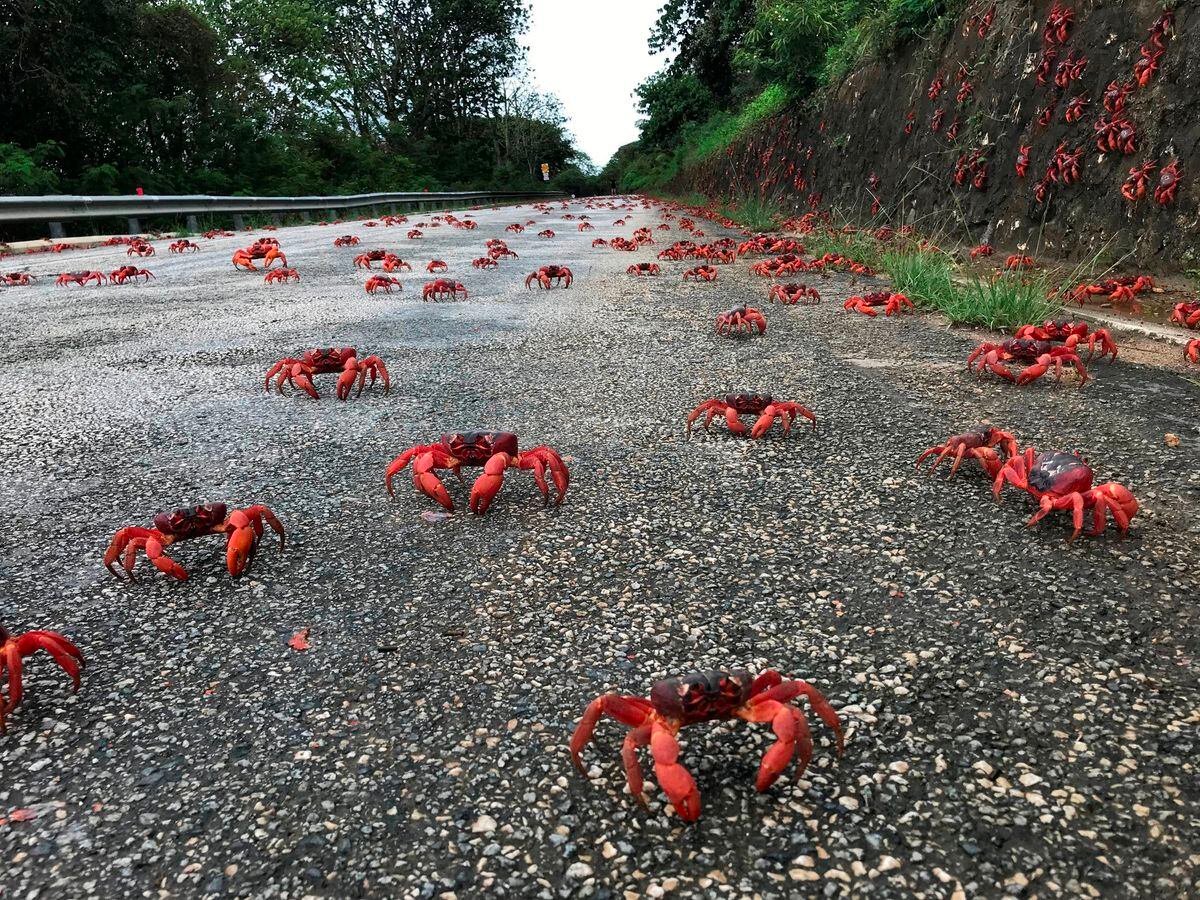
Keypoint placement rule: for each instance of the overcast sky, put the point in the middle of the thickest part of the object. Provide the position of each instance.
(592, 54)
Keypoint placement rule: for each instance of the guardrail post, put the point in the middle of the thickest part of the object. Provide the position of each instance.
(330, 215)
(304, 216)
(391, 209)
(276, 219)
(193, 224)
(132, 225)
(238, 222)
(56, 231)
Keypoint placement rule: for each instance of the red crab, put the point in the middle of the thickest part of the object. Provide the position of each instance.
(364, 260)
(1168, 184)
(123, 274)
(892, 303)
(586, 226)
(1116, 134)
(980, 444)
(484, 262)
(935, 121)
(733, 406)
(1058, 481)
(13, 650)
(1064, 167)
(964, 92)
(1041, 355)
(267, 252)
(299, 372)
(741, 319)
(346, 240)
(1116, 95)
(496, 451)
(1146, 67)
(599, 242)
(138, 247)
(515, 228)
(1023, 161)
(415, 234)
(382, 283)
(700, 273)
(675, 703)
(244, 527)
(1123, 289)
(80, 278)
(1017, 262)
(1192, 351)
(1071, 334)
(644, 268)
(1075, 110)
(1134, 188)
(183, 245)
(792, 294)
(277, 276)
(1070, 69)
(1187, 314)
(1058, 24)
(17, 279)
(984, 249)
(442, 289)
(547, 233)
(549, 276)
(936, 86)
(436, 265)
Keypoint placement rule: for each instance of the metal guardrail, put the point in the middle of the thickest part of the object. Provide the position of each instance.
(56, 209)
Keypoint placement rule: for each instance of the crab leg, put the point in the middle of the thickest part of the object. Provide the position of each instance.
(540, 459)
(120, 541)
(790, 728)
(639, 737)
(787, 691)
(628, 710)
(676, 781)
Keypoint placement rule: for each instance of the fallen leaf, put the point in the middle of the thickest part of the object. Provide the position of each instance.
(299, 640)
(1171, 439)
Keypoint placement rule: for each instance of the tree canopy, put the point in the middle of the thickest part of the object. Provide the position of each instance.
(271, 97)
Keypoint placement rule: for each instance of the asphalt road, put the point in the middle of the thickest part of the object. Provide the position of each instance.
(1022, 714)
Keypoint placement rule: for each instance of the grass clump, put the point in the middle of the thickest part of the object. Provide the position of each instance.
(1002, 302)
(858, 245)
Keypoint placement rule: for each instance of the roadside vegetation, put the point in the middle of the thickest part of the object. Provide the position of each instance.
(261, 97)
(740, 62)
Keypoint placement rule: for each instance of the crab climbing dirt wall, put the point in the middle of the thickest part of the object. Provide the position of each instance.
(933, 135)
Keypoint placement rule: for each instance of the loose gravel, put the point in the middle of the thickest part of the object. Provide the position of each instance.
(1022, 713)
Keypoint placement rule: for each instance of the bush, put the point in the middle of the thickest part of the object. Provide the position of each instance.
(23, 172)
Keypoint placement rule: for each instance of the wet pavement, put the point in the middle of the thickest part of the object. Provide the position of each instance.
(1022, 713)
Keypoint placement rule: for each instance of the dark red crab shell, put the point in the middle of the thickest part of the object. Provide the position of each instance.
(747, 402)
(190, 521)
(701, 696)
(1059, 472)
(474, 448)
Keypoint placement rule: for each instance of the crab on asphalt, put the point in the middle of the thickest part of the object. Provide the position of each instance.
(243, 529)
(733, 406)
(495, 451)
(674, 703)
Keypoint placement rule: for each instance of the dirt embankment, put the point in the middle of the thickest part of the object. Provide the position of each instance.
(885, 121)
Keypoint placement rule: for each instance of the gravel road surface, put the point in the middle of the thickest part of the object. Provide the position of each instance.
(1022, 714)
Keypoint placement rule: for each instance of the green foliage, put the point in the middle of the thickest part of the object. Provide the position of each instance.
(270, 97)
(24, 172)
(857, 245)
(1002, 302)
(741, 61)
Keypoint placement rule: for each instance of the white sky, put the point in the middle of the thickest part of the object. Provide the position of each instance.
(591, 54)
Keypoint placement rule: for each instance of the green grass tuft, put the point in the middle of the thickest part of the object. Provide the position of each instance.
(1002, 302)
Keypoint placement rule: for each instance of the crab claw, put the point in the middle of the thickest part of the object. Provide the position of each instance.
(676, 781)
(487, 485)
